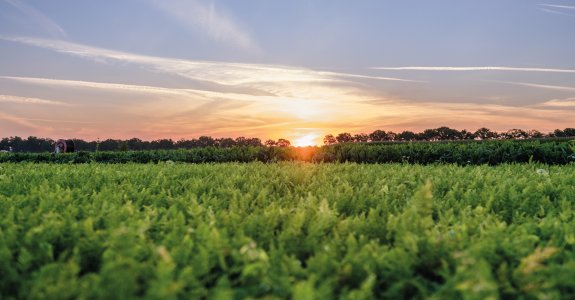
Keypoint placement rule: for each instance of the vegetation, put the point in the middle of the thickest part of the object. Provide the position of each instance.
(35, 144)
(445, 134)
(463, 153)
(289, 230)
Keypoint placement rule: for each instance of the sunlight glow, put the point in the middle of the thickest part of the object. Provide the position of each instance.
(306, 140)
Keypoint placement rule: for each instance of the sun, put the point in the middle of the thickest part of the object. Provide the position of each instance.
(306, 140)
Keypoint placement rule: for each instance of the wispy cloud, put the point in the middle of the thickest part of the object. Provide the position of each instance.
(34, 15)
(28, 100)
(563, 10)
(13, 120)
(558, 6)
(542, 86)
(551, 11)
(487, 68)
(281, 81)
(128, 88)
(568, 103)
(209, 19)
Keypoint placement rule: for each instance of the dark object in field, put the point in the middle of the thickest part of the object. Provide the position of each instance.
(64, 146)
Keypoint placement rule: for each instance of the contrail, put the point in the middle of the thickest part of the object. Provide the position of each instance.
(558, 6)
(489, 68)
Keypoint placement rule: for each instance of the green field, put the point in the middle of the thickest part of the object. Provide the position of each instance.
(286, 230)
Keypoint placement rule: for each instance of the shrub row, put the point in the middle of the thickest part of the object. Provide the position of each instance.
(475, 153)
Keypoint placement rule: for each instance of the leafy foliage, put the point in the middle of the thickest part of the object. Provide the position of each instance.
(287, 230)
(462, 153)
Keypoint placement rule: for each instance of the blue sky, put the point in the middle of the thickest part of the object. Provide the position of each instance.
(296, 69)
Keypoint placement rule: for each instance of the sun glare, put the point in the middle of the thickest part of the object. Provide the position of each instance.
(306, 140)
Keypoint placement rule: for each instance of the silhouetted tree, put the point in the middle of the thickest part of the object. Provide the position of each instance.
(329, 140)
(241, 141)
(466, 135)
(135, 144)
(108, 145)
(344, 137)
(270, 143)
(206, 141)
(378, 136)
(485, 134)
(567, 132)
(535, 134)
(123, 146)
(361, 138)
(283, 143)
(226, 142)
(407, 136)
(515, 134)
(446, 133)
(430, 135)
(256, 142)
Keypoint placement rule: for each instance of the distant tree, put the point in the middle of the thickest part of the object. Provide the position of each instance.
(378, 136)
(485, 134)
(535, 134)
(361, 138)
(226, 142)
(122, 146)
(135, 144)
(108, 145)
(391, 136)
(164, 144)
(81, 145)
(184, 144)
(429, 135)
(466, 135)
(329, 140)
(270, 143)
(35, 144)
(517, 134)
(241, 141)
(5, 144)
(407, 136)
(344, 138)
(254, 142)
(283, 143)
(206, 141)
(16, 144)
(446, 134)
(567, 132)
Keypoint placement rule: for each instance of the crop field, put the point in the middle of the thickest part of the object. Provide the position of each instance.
(286, 230)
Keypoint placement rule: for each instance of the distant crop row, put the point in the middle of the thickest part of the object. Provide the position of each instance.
(286, 231)
(484, 152)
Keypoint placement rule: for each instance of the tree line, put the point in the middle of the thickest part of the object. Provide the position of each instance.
(36, 144)
(444, 134)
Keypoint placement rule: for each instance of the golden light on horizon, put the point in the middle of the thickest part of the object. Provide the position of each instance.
(309, 139)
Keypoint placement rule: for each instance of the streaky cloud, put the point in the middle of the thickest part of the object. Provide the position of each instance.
(130, 88)
(558, 6)
(38, 17)
(568, 103)
(28, 100)
(19, 121)
(487, 68)
(542, 86)
(335, 74)
(551, 11)
(282, 81)
(204, 16)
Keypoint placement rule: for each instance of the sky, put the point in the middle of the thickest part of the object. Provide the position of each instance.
(297, 69)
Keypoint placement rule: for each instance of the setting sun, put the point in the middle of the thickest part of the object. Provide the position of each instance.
(306, 140)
